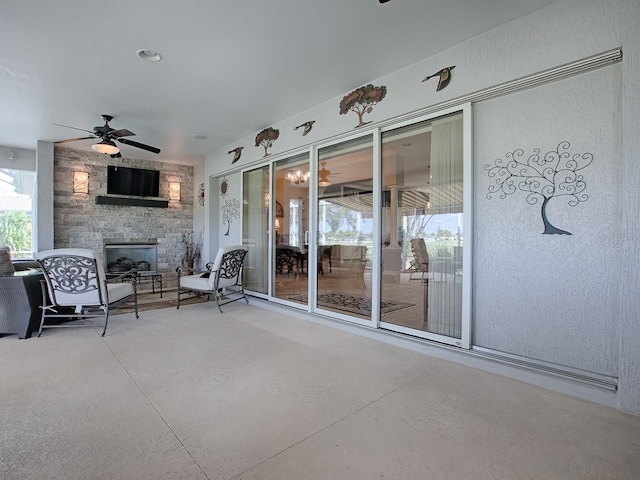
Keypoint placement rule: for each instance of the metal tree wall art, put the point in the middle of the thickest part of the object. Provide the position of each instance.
(362, 100)
(266, 138)
(230, 210)
(236, 154)
(444, 76)
(544, 178)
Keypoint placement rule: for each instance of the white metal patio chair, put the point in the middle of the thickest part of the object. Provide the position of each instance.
(224, 280)
(76, 287)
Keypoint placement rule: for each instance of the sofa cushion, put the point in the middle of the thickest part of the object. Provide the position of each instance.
(6, 267)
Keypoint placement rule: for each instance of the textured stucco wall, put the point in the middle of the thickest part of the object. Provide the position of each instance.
(629, 214)
(79, 222)
(593, 324)
(564, 32)
(550, 297)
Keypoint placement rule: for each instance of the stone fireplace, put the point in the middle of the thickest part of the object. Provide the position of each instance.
(154, 234)
(121, 255)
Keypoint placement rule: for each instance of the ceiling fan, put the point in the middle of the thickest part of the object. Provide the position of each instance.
(107, 135)
(323, 176)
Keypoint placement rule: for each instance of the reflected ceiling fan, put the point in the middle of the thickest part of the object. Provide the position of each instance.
(108, 136)
(323, 176)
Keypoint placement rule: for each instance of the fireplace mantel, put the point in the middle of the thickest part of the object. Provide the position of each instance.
(131, 202)
(134, 241)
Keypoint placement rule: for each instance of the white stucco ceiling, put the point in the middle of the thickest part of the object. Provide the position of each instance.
(229, 68)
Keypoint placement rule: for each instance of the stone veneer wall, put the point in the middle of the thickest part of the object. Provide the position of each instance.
(79, 222)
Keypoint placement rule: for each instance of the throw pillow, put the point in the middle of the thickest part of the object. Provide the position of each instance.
(6, 266)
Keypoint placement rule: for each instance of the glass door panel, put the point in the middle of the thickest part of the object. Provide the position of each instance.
(255, 228)
(345, 228)
(422, 227)
(291, 224)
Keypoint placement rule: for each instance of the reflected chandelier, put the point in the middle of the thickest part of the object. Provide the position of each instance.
(297, 177)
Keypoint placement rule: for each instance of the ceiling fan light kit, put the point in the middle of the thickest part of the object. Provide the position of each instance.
(106, 146)
(323, 176)
(108, 135)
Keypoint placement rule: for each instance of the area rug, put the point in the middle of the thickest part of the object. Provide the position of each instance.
(354, 303)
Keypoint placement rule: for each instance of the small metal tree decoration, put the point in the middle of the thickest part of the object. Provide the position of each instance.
(230, 210)
(266, 138)
(362, 100)
(544, 178)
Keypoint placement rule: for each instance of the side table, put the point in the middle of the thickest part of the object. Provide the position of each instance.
(20, 301)
(156, 279)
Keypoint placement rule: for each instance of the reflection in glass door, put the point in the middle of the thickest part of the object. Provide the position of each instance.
(345, 228)
(422, 228)
(291, 224)
(255, 228)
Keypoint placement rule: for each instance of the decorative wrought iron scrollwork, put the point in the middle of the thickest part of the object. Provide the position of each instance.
(231, 263)
(71, 274)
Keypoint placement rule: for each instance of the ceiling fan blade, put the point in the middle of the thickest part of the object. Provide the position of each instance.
(139, 145)
(74, 139)
(75, 128)
(121, 133)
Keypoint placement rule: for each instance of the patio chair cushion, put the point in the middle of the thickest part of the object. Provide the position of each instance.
(6, 267)
(118, 291)
(195, 282)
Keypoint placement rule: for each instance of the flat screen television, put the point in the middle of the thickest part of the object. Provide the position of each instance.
(133, 181)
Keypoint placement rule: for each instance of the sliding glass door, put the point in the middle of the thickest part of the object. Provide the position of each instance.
(255, 228)
(290, 243)
(423, 230)
(344, 210)
(376, 234)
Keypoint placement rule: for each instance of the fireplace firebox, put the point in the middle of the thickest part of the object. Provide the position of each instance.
(122, 255)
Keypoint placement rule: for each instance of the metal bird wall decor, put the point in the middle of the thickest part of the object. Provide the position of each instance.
(237, 152)
(307, 127)
(444, 75)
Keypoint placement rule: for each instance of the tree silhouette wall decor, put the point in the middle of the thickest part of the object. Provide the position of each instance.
(362, 100)
(230, 210)
(266, 138)
(543, 178)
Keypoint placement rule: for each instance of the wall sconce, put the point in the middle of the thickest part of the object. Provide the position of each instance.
(174, 191)
(80, 182)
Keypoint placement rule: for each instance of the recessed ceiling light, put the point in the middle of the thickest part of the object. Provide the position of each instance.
(149, 55)
(198, 136)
